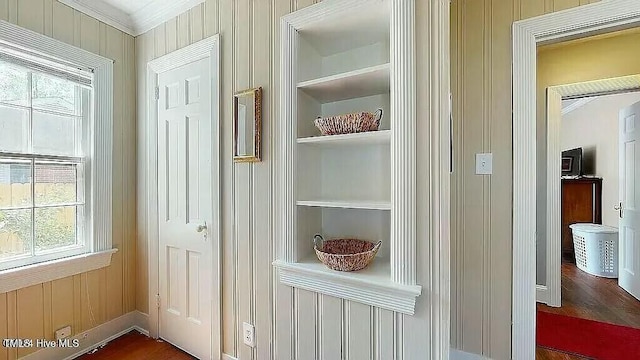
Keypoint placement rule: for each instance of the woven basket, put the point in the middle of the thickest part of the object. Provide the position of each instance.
(349, 123)
(345, 254)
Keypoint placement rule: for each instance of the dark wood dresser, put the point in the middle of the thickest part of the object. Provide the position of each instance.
(581, 203)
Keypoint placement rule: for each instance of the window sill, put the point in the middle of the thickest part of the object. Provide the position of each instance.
(21, 277)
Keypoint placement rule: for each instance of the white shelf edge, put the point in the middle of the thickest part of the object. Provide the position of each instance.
(385, 295)
(369, 137)
(327, 79)
(367, 205)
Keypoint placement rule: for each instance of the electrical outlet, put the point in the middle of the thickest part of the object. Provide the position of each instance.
(63, 333)
(248, 335)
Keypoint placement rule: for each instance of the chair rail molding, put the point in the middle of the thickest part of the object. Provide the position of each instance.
(600, 17)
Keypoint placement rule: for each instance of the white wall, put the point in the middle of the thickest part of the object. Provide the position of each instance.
(594, 127)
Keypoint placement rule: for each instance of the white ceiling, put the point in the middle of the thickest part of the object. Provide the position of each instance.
(129, 6)
(134, 17)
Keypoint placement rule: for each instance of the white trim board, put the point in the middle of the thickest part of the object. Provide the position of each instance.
(18, 278)
(137, 23)
(542, 294)
(600, 17)
(455, 354)
(95, 337)
(206, 48)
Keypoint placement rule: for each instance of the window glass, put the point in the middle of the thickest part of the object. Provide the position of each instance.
(55, 227)
(15, 183)
(14, 128)
(14, 87)
(42, 190)
(54, 134)
(15, 233)
(54, 94)
(56, 184)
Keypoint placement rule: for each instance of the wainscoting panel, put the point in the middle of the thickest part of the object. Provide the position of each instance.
(289, 323)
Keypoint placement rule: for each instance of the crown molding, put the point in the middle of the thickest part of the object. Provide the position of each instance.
(137, 23)
(159, 11)
(104, 12)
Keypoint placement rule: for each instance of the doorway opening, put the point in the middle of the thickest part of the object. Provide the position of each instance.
(596, 256)
(581, 182)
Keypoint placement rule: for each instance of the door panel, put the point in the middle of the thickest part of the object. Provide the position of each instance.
(629, 258)
(185, 203)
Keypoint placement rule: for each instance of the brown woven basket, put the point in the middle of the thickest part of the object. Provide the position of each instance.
(349, 123)
(345, 254)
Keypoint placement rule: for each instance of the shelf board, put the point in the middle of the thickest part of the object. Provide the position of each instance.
(371, 205)
(372, 285)
(363, 138)
(369, 81)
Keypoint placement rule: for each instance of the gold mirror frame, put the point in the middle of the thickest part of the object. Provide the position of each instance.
(256, 94)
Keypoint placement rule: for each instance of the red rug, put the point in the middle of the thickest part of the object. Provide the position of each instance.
(589, 338)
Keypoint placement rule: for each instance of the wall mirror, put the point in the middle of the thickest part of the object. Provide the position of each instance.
(247, 123)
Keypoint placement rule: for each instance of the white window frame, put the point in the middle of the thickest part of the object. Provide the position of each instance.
(98, 161)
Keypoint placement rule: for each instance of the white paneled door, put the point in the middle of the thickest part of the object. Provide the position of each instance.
(186, 207)
(629, 232)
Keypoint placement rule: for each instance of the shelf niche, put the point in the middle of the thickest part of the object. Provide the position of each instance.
(337, 58)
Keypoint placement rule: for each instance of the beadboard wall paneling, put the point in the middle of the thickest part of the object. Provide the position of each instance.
(84, 300)
(289, 323)
(481, 225)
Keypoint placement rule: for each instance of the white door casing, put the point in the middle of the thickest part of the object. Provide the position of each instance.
(577, 22)
(185, 207)
(554, 213)
(629, 229)
(207, 51)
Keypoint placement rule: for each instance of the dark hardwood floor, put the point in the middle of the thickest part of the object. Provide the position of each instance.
(135, 346)
(595, 298)
(548, 354)
(591, 297)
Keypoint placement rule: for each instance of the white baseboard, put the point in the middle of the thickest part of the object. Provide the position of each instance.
(136, 320)
(141, 322)
(453, 355)
(461, 355)
(542, 294)
(95, 337)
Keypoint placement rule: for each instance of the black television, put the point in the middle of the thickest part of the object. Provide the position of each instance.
(572, 162)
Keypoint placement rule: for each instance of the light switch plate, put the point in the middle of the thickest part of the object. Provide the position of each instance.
(484, 164)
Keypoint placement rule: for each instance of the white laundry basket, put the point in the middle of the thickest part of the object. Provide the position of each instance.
(596, 249)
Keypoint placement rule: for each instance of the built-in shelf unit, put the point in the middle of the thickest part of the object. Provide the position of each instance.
(338, 57)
